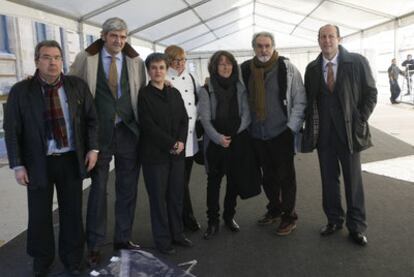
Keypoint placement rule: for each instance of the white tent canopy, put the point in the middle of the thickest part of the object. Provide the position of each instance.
(208, 25)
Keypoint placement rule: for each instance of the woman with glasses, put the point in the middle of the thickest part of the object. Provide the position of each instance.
(225, 115)
(164, 123)
(187, 85)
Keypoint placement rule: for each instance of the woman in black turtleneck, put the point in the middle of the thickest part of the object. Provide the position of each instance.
(225, 115)
(164, 122)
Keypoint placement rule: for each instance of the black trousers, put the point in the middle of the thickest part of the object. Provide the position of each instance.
(188, 213)
(165, 187)
(218, 165)
(332, 153)
(124, 148)
(276, 158)
(63, 172)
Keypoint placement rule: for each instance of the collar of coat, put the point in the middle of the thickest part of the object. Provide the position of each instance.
(343, 57)
(96, 47)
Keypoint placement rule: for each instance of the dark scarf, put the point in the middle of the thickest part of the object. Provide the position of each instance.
(257, 84)
(53, 114)
(227, 112)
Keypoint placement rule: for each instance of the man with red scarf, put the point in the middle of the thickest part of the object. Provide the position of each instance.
(50, 128)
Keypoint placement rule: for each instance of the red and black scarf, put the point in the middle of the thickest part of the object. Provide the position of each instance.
(53, 114)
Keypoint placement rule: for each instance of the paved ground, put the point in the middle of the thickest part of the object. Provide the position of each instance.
(257, 251)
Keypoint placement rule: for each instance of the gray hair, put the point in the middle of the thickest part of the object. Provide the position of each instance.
(114, 24)
(263, 34)
(46, 43)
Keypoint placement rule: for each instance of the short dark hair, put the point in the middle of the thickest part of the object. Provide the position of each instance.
(214, 60)
(46, 43)
(336, 27)
(155, 57)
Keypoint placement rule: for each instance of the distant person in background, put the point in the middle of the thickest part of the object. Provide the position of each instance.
(393, 72)
(225, 115)
(51, 131)
(115, 73)
(409, 71)
(188, 87)
(164, 125)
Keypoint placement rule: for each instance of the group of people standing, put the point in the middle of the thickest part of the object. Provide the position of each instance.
(394, 72)
(60, 129)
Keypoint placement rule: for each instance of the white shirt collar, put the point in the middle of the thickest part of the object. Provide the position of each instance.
(174, 73)
(334, 60)
(105, 53)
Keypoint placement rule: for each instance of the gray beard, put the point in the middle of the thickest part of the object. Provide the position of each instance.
(264, 59)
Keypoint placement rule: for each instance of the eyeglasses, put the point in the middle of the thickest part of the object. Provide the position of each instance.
(225, 64)
(263, 46)
(50, 58)
(179, 60)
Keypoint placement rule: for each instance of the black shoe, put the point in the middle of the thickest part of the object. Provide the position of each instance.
(232, 225)
(190, 223)
(169, 250)
(129, 245)
(211, 231)
(183, 242)
(41, 266)
(329, 229)
(94, 258)
(359, 238)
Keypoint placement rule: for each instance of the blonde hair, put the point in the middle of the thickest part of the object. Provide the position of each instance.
(173, 51)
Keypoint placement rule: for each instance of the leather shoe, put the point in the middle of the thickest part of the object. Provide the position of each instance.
(232, 225)
(183, 242)
(191, 224)
(211, 231)
(94, 258)
(329, 229)
(129, 245)
(359, 238)
(169, 250)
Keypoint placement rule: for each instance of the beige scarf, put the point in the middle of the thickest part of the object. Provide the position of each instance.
(257, 96)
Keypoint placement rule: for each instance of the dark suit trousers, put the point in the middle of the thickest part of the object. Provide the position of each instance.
(124, 148)
(332, 152)
(276, 158)
(165, 187)
(63, 172)
(187, 205)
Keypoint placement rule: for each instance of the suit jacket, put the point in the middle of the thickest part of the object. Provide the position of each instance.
(357, 94)
(25, 132)
(85, 66)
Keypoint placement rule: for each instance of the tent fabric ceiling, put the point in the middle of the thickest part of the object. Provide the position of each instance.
(205, 25)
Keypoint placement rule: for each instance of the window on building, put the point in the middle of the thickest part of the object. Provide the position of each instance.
(90, 39)
(4, 37)
(63, 45)
(40, 32)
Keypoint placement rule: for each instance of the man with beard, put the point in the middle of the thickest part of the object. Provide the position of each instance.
(277, 101)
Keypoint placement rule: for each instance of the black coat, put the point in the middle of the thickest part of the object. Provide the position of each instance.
(25, 128)
(163, 122)
(357, 93)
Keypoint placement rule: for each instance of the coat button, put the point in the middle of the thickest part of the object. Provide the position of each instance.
(190, 117)
(183, 78)
(189, 104)
(186, 90)
(172, 78)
